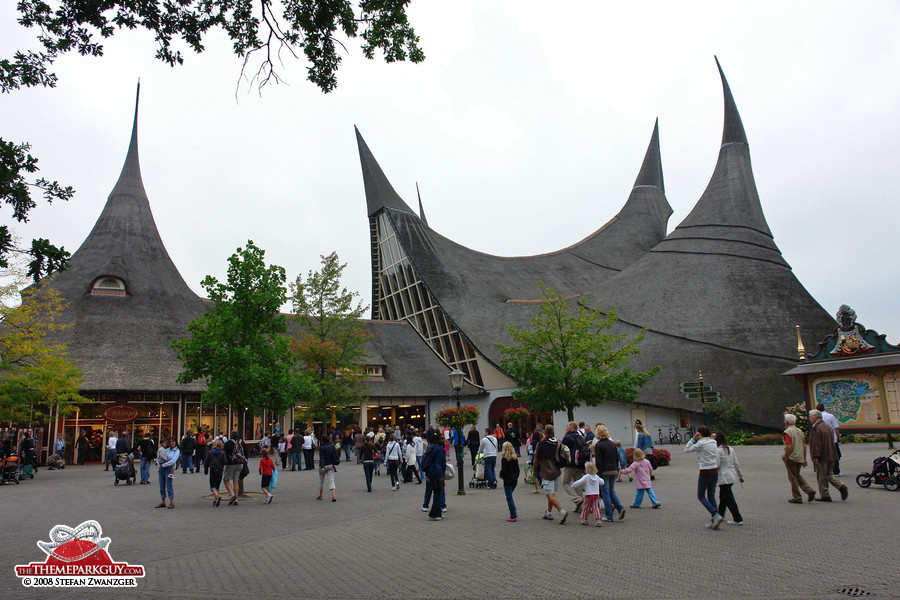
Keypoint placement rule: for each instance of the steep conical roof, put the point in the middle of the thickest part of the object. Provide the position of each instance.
(717, 295)
(483, 293)
(421, 210)
(651, 172)
(124, 342)
(379, 191)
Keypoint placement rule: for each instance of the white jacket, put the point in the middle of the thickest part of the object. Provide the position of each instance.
(489, 446)
(705, 448)
(729, 467)
(591, 484)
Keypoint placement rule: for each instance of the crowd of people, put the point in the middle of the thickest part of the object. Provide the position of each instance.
(582, 467)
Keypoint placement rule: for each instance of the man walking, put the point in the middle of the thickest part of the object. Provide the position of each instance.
(547, 458)
(794, 457)
(836, 427)
(489, 448)
(148, 455)
(824, 452)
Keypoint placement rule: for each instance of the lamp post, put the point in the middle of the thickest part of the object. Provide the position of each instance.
(456, 382)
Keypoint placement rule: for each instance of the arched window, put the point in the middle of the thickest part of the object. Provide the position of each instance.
(108, 286)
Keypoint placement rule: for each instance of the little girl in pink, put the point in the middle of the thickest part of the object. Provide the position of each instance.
(642, 470)
(591, 483)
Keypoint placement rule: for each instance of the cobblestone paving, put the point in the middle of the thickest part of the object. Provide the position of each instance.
(381, 545)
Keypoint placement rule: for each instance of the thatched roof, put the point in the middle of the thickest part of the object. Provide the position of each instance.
(123, 343)
(715, 294)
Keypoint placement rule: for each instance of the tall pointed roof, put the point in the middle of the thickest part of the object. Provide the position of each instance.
(651, 172)
(380, 193)
(124, 343)
(717, 295)
(421, 210)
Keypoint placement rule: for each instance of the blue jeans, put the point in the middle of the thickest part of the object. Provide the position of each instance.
(187, 462)
(706, 493)
(428, 488)
(610, 500)
(509, 500)
(439, 497)
(419, 465)
(393, 468)
(165, 484)
(145, 469)
(639, 497)
(490, 462)
(295, 457)
(368, 469)
(347, 452)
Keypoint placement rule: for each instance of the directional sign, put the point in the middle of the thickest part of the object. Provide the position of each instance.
(704, 396)
(694, 387)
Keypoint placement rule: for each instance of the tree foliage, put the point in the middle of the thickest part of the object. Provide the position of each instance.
(726, 415)
(330, 343)
(567, 360)
(35, 374)
(260, 31)
(241, 347)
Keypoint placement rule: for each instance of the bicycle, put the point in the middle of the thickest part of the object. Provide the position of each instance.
(674, 436)
(659, 429)
(689, 433)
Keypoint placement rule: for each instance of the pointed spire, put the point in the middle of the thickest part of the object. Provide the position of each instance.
(651, 170)
(421, 210)
(130, 182)
(379, 191)
(733, 131)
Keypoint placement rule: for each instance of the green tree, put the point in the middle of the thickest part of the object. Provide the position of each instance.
(330, 343)
(241, 347)
(259, 31)
(726, 415)
(565, 360)
(36, 377)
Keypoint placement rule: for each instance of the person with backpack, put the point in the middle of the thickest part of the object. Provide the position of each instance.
(200, 452)
(148, 454)
(329, 459)
(489, 447)
(579, 453)
(235, 459)
(549, 458)
(188, 445)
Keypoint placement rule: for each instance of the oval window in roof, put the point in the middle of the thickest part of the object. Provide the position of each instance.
(108, 286)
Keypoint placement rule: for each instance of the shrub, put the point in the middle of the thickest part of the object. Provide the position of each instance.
(800, 411)
(766, 439)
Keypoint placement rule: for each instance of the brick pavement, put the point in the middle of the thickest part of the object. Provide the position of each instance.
(381, 545)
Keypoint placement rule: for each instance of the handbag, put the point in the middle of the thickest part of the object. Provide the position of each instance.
(274, 481)
(449, 472)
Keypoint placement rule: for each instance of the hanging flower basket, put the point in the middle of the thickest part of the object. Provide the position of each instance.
(457, 418)
(516, 413)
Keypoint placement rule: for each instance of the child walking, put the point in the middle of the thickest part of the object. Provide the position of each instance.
(642, 470)
(591, 483)
(623, 460)
(509, 473)
(266, 465)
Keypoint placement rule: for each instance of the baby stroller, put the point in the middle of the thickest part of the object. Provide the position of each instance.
(124, 469)
(478, 479)
(9, 470)
(885, 471)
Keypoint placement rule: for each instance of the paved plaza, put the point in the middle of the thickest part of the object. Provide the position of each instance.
(381, 545)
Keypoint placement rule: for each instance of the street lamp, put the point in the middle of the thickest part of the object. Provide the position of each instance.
(456, 382)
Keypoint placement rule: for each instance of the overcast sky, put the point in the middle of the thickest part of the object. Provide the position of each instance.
(525, 129)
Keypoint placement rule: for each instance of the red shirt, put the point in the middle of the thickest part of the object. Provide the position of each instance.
(266, 465)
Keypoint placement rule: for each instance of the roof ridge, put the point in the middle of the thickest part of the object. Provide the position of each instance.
(380, 193)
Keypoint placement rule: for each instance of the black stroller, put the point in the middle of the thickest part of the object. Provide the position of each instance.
(9, 470)
(124, 469)
(885, 471)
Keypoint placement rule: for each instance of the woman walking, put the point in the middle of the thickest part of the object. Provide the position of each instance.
(729, 473)
(214, 464)
(473, 441)
(329, 457)
(705, 446)
(393, 454)
(531, 448)
(367, 454)
(167, 458)
(607, 458)
(509, 473)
